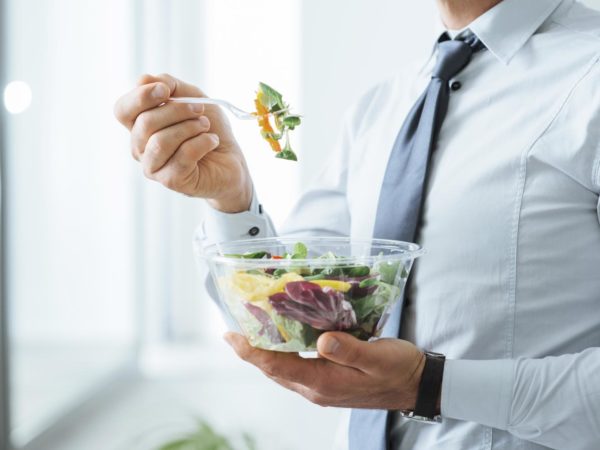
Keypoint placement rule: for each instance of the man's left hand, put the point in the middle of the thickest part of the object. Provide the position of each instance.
(383, 374)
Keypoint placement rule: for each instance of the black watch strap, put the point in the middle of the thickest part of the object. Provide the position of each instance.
(430, 385)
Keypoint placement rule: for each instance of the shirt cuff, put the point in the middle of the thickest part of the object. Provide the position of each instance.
(478, 391)
(222, 227)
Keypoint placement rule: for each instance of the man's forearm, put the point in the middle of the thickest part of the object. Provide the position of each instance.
(551, 401)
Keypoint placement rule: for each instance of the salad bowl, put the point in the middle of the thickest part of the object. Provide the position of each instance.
(283, 293)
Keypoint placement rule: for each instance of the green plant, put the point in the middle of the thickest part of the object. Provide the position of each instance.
(206, 438)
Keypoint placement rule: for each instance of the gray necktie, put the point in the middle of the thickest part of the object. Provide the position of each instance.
(401, 196)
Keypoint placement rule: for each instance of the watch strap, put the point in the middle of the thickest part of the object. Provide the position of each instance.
(430, 385)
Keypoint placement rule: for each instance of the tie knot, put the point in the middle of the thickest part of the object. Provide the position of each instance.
(453, 56)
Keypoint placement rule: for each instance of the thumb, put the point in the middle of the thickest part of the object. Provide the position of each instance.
(345, 349)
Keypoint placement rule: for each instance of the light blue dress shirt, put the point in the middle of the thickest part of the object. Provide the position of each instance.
(510, 287)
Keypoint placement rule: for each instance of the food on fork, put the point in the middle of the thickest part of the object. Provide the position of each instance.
(269, 103)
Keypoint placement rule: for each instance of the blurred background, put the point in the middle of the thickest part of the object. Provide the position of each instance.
(108, 340)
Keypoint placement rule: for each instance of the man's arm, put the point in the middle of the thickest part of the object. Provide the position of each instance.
(552, 401)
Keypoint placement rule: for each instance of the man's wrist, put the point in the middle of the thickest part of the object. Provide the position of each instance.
(234, 203)
(416, 381)
(232, 206)
(427, 392)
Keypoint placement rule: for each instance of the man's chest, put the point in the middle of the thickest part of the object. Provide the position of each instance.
(491, 134)
(510, 197)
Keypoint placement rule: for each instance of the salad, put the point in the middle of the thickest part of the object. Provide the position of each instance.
(288, 307)
(269, 103)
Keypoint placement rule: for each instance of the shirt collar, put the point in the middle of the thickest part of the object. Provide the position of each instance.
(506, 27)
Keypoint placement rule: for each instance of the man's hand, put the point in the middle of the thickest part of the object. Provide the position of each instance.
(383, 374)
(187, 148)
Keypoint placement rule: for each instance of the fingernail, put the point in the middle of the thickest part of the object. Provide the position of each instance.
(160, 91)
(204, 121)
(197, 107)
(331, 345)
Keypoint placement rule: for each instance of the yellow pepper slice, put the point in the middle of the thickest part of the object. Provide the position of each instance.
(264, 123)
(254, 287)
(341, 286)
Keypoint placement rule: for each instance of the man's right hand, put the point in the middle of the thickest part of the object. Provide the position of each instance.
(187, 148)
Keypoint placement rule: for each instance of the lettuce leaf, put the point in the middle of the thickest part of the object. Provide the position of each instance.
(270, 98)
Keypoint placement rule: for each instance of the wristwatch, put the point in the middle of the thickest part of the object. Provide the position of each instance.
(429, 390)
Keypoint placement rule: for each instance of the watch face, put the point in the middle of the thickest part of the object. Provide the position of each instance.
(435, 355)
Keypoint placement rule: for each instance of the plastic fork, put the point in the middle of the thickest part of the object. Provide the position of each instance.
(237, 112)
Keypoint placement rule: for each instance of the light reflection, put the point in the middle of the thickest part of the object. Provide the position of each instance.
(17, 97)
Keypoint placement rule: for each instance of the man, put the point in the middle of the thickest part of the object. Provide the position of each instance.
(491, 153)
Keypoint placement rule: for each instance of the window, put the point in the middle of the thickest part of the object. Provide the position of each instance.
(97, 259)
(69, 207)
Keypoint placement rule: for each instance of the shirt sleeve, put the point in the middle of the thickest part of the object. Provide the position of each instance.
(221, 227)
(551, 401)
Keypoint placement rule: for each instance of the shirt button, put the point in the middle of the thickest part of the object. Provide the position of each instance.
(456, 85)
(253, 231)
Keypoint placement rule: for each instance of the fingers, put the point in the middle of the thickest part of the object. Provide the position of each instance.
(311, 378)
(140, 99)
(347, 350)
(305, 392)
(287, 366)
(192, 151)
(151, 121)
(177, 87)
(163, 144)
(181, 172)
(152, 91)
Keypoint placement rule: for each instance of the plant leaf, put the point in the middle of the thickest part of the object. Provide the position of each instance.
(300, 251)
(287, 154)
(388, 270)
(180, 444)
(204, 438)
(357, 271)
(270, 98)
(249, 441)
(291, 121)
(368, 282)
(268, 326)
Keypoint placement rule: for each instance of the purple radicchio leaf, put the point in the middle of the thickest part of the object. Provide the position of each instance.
(268, 326)
(322, 308)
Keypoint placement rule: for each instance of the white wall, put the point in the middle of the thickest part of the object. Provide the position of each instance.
(69, 202)
(347, 46)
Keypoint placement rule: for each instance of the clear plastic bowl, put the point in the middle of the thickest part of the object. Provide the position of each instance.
(287, 295)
